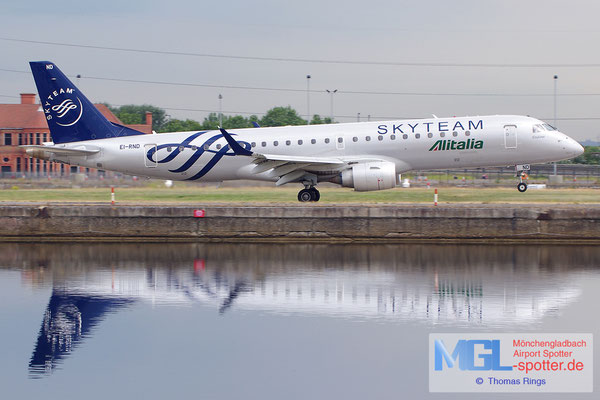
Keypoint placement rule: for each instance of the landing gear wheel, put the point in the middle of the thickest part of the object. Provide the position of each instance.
(305, 195)
(316, 196)
(521, 187)
(310, 194)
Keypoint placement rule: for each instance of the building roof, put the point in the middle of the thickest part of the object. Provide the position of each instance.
(31, 116)
(22, 116)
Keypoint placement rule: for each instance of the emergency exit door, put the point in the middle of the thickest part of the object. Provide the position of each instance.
(150, 155)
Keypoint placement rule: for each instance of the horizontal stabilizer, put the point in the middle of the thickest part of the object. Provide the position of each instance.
(38, 151)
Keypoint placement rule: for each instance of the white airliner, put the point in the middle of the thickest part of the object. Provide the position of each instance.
(365, 156)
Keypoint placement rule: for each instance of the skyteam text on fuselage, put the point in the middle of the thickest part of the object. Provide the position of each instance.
(364, 156)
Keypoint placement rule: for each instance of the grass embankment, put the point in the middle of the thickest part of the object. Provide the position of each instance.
(148, 195)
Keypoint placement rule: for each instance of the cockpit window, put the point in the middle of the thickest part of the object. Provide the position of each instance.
(549, 127)
(538, 128)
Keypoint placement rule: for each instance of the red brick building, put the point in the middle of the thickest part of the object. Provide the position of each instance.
(23, 124)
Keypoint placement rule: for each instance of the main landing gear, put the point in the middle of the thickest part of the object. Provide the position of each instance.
(309, 194)
(520, 171)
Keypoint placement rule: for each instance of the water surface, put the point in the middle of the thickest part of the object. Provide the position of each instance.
(269, 321)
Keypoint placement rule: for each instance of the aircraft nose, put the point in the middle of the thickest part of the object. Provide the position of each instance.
(575, 147)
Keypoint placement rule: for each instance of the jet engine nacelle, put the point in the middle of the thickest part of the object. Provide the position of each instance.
(375, 175)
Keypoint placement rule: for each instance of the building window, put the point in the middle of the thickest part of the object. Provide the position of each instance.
(8, 139)
(21, 139)
(19, 164)
(37, 139)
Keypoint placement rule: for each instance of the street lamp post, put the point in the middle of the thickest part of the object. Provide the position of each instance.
(307, 99)
(220, 110)
(555, 82)
(331, 93)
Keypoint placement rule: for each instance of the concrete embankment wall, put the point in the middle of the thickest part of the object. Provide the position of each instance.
(313, 223)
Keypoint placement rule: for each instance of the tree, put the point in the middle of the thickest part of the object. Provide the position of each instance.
(136, 114)
(591, 155)
(281, 116)
(178, 125)
(229, 122)
(317, 120)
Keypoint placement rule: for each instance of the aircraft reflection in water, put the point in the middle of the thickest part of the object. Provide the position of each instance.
(454, 285)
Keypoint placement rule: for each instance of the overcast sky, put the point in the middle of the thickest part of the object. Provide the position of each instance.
(461, 32)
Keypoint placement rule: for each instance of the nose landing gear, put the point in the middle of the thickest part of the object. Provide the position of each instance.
(309, 194)
(520, 171)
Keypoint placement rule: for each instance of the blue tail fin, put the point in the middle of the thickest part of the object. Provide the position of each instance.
(70, 115)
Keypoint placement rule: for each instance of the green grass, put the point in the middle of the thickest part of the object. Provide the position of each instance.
(189, 194)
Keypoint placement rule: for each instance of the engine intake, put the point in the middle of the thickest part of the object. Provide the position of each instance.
(375, 175)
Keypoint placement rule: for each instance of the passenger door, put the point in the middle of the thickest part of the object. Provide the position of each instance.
(510, 136)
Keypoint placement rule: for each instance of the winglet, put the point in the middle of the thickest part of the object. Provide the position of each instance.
(233, 145)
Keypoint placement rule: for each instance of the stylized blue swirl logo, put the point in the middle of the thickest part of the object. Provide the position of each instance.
(200, 149)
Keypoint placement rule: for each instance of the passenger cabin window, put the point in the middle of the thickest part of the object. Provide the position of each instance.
(169, 149)
(455, 134)
(206, 146)
(264, 144)
(218, 147)
(253, 144)
(368, 138)
(355, 139)
(380, 137)
(313, 141)
(194, 148)
(340, 140)
(181, 148)
(393, 137)
(275, 143)
(326, 140)
(430, 135)
(467, 133)
(300, 142)
(288, 142)
(417, 135)
(442, 134)
(405, 136)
